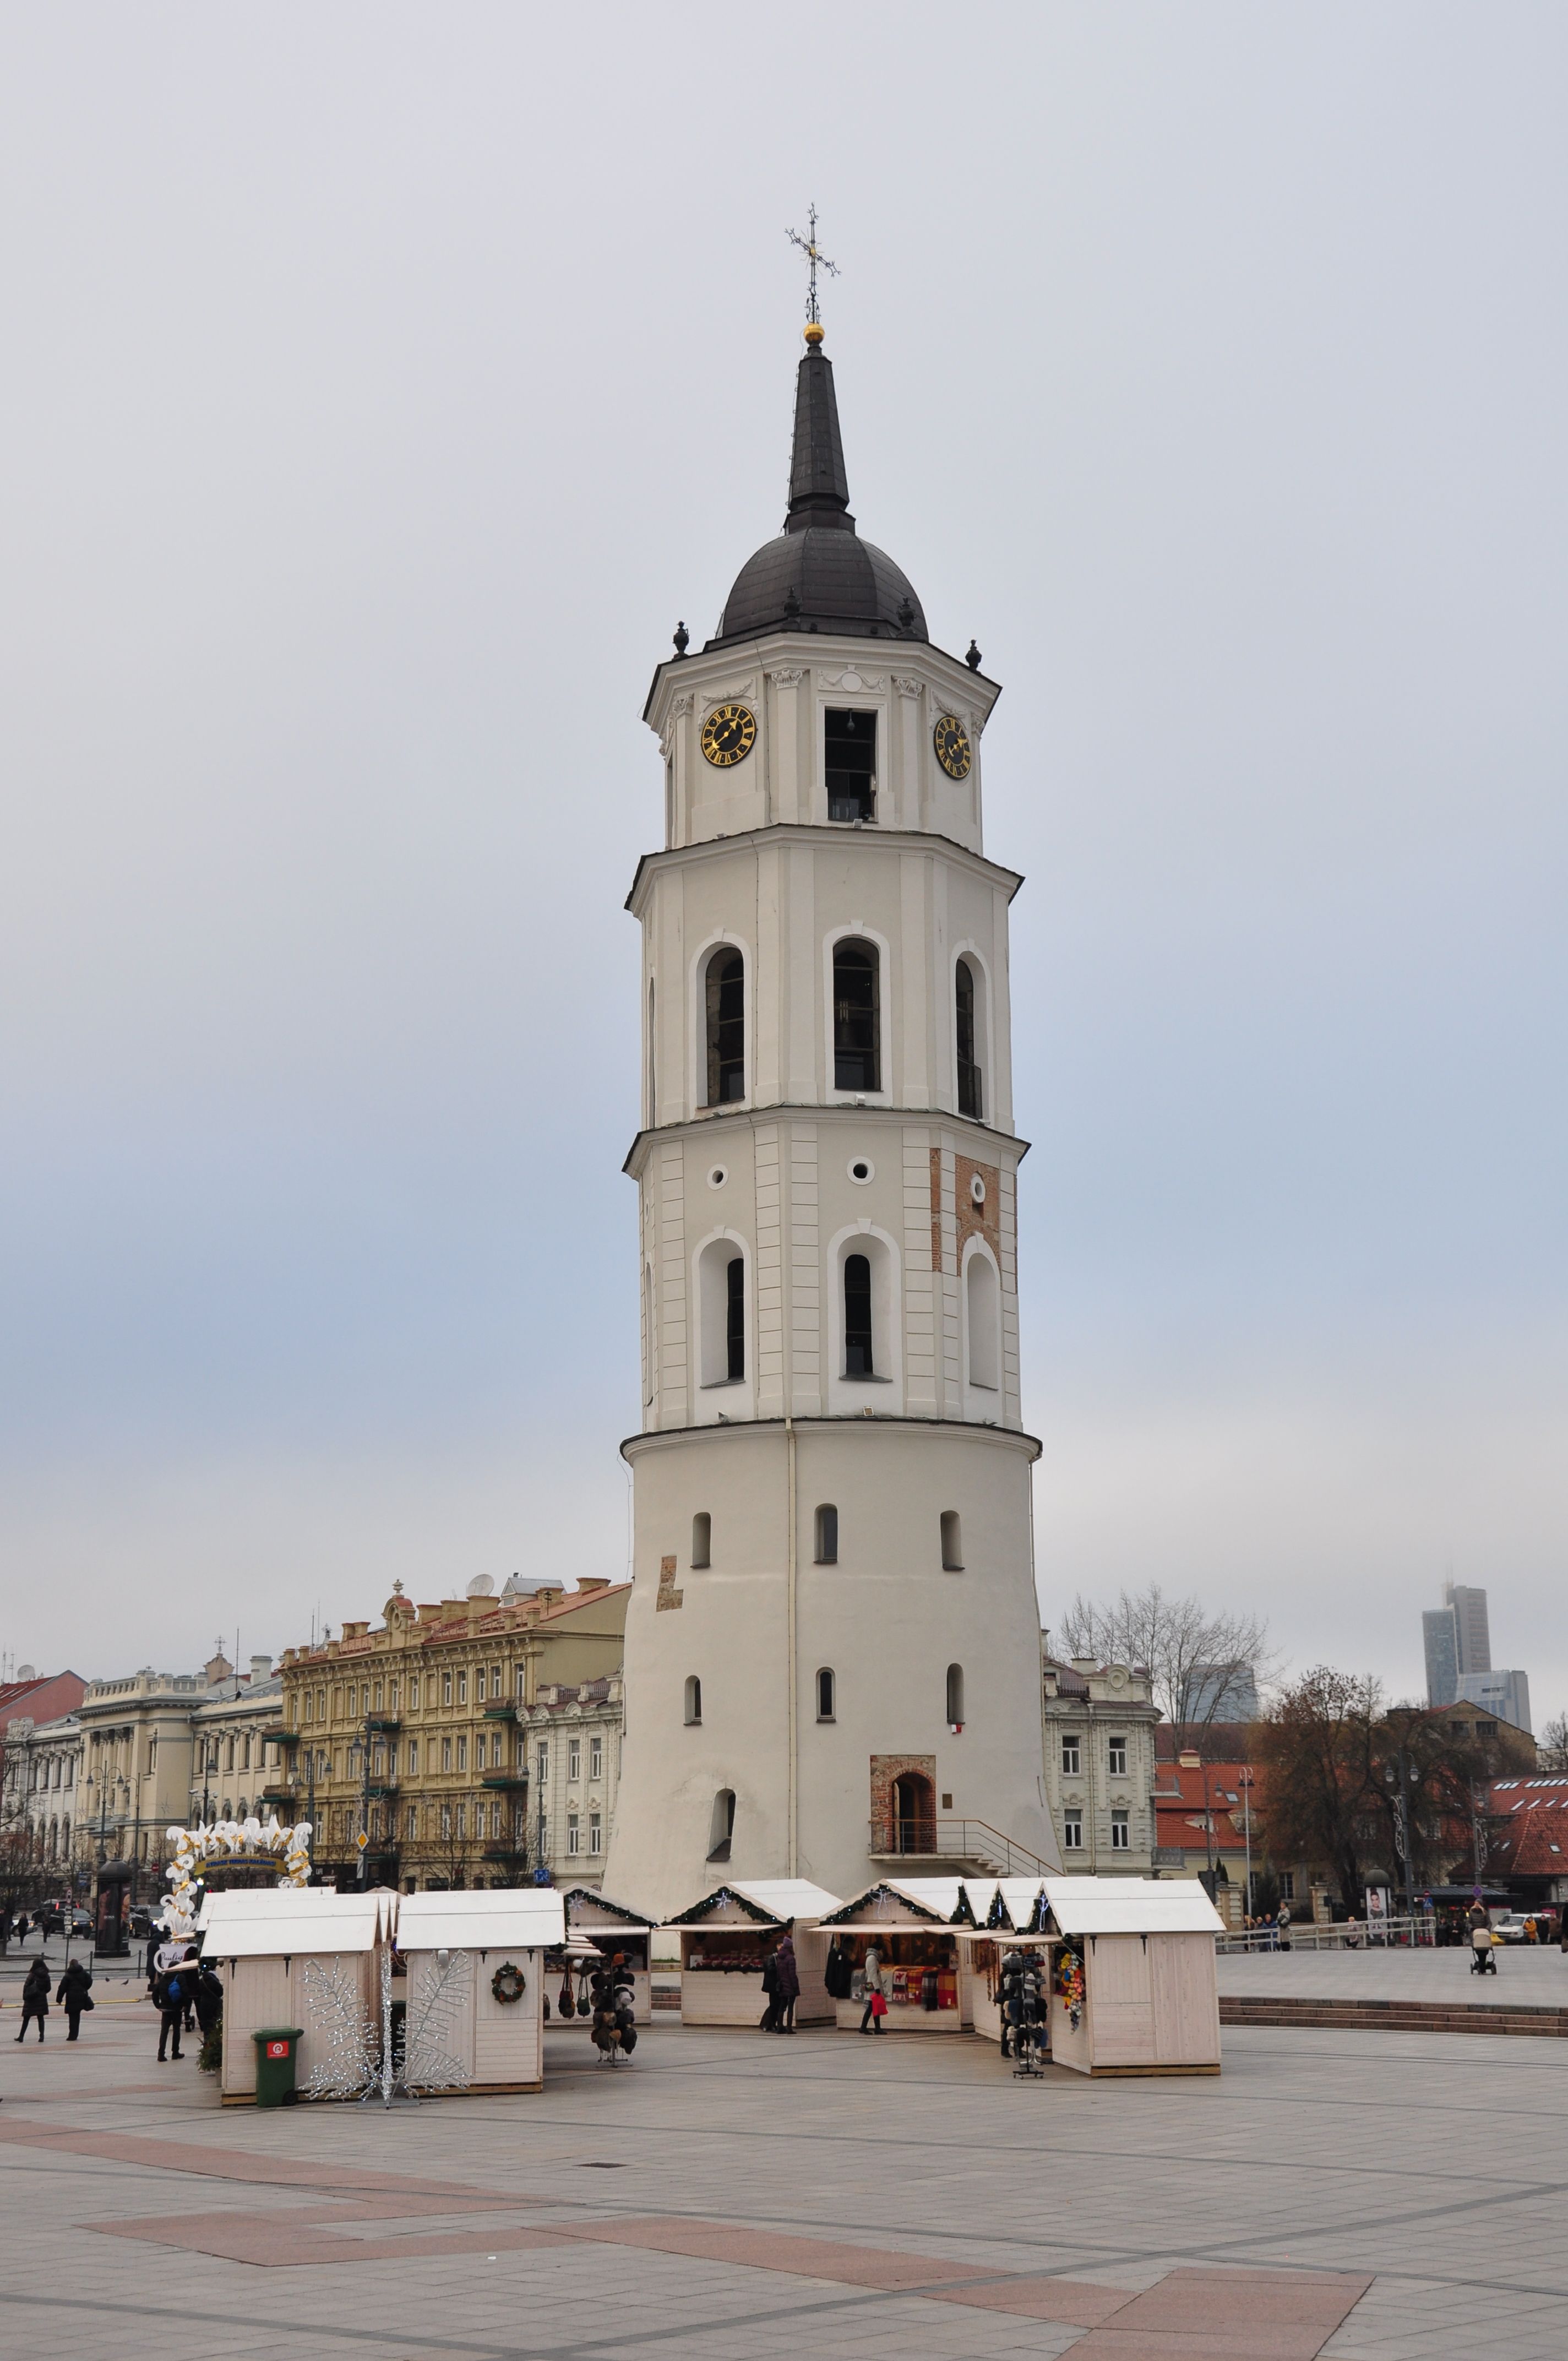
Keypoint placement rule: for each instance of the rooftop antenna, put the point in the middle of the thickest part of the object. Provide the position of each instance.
(813, 255)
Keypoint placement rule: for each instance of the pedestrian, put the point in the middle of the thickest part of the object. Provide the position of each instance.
(1284, 1926)
(769, 2020)
(188, 1985)
(21, 1927)
(35, 1998)
(209, 1998)
(169, 1992)
(1483, 1953)
(788, 1983)
(876, 1999)
(74, 1995)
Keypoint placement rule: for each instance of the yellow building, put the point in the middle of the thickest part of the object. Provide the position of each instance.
(414, 1737)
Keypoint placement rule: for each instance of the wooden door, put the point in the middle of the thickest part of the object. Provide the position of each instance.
(1121, 2004)
(1186, 2000)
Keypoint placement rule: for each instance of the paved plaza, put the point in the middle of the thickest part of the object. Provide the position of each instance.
(1533, 1976)
(730, 2194)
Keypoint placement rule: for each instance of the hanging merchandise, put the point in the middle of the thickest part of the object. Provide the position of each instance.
(564, 1997)
(1068, 1985)
(1021, 1995)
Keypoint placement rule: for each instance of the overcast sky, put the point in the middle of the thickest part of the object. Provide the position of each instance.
(384, 382)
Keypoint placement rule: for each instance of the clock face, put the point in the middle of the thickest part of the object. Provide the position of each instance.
(952, 746)
(729, 735)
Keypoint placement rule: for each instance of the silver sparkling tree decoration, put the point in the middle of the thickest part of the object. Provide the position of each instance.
(352, 2068)
(429, 2062)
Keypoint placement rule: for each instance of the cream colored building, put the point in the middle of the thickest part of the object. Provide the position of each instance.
(832, 1641)
(419, 1736)
(235, 1751)
(135, 1781)
(1100, 1721)
(42, 1763)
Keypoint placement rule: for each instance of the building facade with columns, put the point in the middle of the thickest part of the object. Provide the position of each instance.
(833, 1653)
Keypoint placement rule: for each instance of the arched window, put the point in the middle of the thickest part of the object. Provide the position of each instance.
(725, 1005)
(983, 1301)
(955, 1696)
(857, 1017)
(735, 1317)
(824, 1694)
(849, 747)
(702, 1537)
(952, 1542)
(858, 1359)
(721, 1294)
(970, 1081)
(827, 1551)
(693, 1700)
(721, 1828)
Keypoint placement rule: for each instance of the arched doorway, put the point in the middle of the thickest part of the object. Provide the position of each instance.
(914, 1813)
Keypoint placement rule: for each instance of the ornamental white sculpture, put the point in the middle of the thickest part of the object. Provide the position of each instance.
(227, 1840)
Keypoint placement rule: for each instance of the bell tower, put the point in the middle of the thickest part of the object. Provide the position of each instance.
(832, 1644)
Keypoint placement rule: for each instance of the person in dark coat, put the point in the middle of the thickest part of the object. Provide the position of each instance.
(209, 1998)
(74, 1995)
(769, 2020)
(170, 1993)
(788, 1986)
(35, 1998)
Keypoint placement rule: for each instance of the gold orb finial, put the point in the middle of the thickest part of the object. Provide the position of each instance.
(815, 331)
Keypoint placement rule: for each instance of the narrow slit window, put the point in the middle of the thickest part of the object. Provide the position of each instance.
(952, 1542)
(702, 1538)
(824, 1694)
(857, 1017)
(735, 1317)
(826, 1551)
(983, 1309)
(693, 1702)
(970, 1081)
(955, 1697)
(726, 1008)
(850, 759)
(857, 1317)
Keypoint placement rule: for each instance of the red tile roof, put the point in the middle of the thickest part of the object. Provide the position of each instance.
(1530, 1827)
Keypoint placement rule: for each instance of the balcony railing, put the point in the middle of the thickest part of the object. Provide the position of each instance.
(500, 1713)
(934, 1839)
(506, 1779)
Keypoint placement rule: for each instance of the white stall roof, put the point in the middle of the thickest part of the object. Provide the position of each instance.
(932, 1902)
(527, 1917)
(778, 1898)
(586, 1906)
(298, 1921)
(1132, 1906)
(1019, 1895)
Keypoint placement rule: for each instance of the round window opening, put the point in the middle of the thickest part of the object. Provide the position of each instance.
(862, 1169)
(977, 1189)
(718, 1177)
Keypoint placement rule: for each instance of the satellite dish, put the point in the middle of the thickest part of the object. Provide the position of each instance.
(482, 1585)
(26, 1672)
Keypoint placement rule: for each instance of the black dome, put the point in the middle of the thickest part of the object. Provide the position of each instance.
(819, 576)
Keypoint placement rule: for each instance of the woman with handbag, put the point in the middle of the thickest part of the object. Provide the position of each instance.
(74, 1995)
(876, 1999)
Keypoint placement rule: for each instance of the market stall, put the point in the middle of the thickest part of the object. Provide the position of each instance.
(612, 1926)
(913, 1927)
(1012, 1918)
(474, 1975)
(1134, 1986)
(727, 1939)
(300, 1957)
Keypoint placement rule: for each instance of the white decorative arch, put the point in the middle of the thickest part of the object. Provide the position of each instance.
(696, 1025)
(225, 1840)
(858, 931)
(882, 1392)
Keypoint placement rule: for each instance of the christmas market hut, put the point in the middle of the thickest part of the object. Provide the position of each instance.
(728, 1938)
(612, 1926)
(1134, 1982)
(1010, 1919)
(912, 1926)
(474, 1973)
(302, 1959)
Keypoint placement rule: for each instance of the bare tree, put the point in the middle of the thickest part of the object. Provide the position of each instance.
(1551, 1747)
(1194, 1659)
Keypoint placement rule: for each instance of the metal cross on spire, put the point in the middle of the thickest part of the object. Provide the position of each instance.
(813, 255)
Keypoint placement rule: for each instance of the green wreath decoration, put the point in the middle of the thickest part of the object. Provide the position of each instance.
(508, 1984)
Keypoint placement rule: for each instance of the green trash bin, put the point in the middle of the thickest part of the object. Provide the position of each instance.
(277, 2049)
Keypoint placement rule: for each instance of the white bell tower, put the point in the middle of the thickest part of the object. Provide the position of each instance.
(832, 1644)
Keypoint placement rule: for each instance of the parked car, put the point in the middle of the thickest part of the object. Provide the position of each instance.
(1509, 1928)
(141, 1923)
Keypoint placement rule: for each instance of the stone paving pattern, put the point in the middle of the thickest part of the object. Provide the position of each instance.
(728, 2194)
(1533, 1976)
